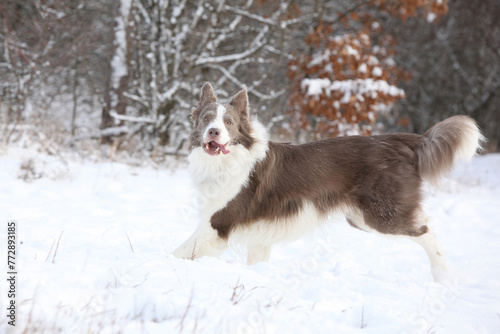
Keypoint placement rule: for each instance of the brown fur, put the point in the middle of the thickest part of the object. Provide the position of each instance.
(377, 175)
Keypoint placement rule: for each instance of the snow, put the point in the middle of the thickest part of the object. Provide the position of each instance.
(358, 87)
(431, 17)
(351, 51)
(362, 68)
(319, 58)
(95, 243)
(377, 71)
(315, 86)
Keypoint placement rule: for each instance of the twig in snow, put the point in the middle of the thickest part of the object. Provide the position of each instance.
(188, 306)
(363, 325)
(57, 246)
(50, 251)
(431, 330)
(238, 292)
(132, 248)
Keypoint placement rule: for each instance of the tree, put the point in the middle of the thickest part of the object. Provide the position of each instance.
(342, 88)
(50, 54)
(349, 76)
(176, 46)
(454, 66)
(118, 82)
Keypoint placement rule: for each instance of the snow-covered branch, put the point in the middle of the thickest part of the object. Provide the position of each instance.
(104, 133)
(171, 91)
(299, 19)
(357, 87)
(250, 89)
(131, 118)
(255, 46)
(255, 17)
(136, 98)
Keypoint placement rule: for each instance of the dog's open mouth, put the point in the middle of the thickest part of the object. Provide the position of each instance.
(214, 148)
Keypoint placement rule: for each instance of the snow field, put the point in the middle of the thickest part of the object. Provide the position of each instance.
(95, 243)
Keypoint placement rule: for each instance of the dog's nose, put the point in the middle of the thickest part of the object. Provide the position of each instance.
(214, 133)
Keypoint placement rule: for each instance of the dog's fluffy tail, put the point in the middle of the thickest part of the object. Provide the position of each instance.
(454, 139)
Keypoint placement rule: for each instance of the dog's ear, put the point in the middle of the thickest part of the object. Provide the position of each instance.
(207, 96)
(240, 102)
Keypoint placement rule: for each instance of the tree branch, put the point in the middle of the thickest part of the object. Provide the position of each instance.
(238, 83)
(119, 117)
(257, 44)
(250, 15)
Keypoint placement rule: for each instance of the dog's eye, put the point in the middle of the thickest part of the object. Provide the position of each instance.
(229, 122)
(207, 119)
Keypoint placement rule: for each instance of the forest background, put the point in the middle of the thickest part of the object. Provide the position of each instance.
(118, 79)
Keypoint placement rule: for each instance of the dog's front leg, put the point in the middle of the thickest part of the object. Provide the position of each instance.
(204, 242)
(258, 253)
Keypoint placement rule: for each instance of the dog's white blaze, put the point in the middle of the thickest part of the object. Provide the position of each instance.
(221, 110)
(218, 123)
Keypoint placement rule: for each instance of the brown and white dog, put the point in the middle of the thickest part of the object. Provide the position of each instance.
(259, 192)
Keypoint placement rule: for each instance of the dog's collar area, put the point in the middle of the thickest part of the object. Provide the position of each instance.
(214, 148)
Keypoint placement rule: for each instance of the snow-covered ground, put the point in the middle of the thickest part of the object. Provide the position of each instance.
(95, 243)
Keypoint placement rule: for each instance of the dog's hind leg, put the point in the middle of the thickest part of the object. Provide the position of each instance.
(258, 253)
(204, 242)
(431, 247)
(428, 242)
(419, 233)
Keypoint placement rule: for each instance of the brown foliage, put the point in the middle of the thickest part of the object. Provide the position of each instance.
(355, 82)
(348, 79)
(408, 8)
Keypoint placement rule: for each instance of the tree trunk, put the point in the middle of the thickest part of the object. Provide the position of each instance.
(118, 82)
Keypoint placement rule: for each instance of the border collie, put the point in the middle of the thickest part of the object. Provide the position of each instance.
(258, 192)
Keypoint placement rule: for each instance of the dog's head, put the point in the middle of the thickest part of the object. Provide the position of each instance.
(218, 126)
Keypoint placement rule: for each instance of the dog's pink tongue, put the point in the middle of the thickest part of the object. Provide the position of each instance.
(214, 146)
(223, 149)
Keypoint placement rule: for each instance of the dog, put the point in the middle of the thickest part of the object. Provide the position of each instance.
(258, 192)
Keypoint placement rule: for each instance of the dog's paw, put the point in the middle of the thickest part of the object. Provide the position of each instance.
(184, 252)
(443, 276)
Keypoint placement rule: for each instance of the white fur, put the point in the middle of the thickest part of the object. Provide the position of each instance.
(218, 180)
(260, 236)
(470, 143)
(435, 255)
(218, 123)
(270, 232)
(357, 219)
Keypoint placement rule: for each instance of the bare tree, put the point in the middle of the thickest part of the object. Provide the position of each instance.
(49, 52)
(178, 45)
